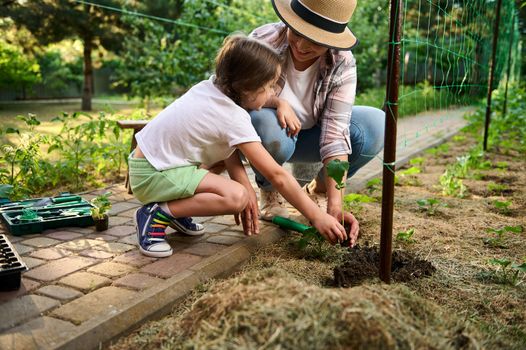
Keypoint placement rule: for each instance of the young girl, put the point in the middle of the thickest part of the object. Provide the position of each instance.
(205, 126)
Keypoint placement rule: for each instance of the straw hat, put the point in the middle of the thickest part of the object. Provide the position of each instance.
(321, 21)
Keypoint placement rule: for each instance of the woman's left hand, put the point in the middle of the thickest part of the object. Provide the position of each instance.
(250, 215)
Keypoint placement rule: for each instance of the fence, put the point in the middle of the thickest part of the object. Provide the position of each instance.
(462, 51)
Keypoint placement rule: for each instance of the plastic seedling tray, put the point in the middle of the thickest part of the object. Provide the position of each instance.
(11, 266)
(37, 215)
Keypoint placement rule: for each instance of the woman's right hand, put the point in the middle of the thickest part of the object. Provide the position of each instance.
(287, 117)
(330, 228)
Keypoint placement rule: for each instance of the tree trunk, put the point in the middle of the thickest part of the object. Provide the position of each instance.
(88, 76)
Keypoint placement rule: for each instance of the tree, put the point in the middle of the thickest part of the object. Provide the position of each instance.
(16, 69)
(54, 21)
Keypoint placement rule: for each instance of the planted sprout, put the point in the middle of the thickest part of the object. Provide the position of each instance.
(502, 206)
(101, 205)
(406, 236)
(497, 188)
(354, 201)
(336, 169)
(497, 240)
(373, 185)
(508, 272)
(428, 205)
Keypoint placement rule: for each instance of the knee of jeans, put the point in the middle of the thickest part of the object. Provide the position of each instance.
(374, 130)
(264, 120)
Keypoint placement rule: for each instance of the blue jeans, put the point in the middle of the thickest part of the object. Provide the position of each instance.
(366, 132)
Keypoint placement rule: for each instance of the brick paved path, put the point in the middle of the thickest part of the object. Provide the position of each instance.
(85, 287)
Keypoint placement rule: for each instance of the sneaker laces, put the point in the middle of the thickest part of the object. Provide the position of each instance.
(187, 222)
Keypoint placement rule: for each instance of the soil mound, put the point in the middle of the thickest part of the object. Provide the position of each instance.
(361, 264)
(271, 309)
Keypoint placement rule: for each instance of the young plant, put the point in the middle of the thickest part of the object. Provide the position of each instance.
(406, 236)
(336, 169)
(497, 188)
(429, 205)
(451, 185)
(312, 237)
(508, 272)
(417, 162)
(101, 205)
(502, 206)
(373, 185)
(497, 241)
(354, 201)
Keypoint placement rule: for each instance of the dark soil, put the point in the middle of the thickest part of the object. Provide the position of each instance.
(363, 263)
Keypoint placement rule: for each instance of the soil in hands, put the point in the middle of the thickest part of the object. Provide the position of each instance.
(362, 264)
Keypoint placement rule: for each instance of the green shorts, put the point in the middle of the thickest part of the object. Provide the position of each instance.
(150, 185)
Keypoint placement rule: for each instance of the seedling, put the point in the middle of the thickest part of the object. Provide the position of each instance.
(101, 205)
(406, 236)
(502, 206)
(459, 138)
(418, 161)
(451, 185)
(373, 185)
(508, 272)
(354, 201)
(429, 205)
(336, 169)
(439, 150)
(502, 165)
(410, 175)
(497, 188)
(497, 241)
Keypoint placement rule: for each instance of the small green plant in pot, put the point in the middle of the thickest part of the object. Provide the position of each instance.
(99, 211)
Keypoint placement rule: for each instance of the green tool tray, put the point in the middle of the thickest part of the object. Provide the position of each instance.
(36, 215)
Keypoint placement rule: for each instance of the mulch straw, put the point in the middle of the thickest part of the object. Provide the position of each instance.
(271, 309)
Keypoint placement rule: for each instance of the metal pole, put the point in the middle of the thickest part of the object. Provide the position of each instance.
(512, 33)
(391, 116)
(492, 74)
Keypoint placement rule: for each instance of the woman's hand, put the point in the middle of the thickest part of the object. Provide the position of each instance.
(351, 221)
(329, 227)
(250, 215)
(287, 117)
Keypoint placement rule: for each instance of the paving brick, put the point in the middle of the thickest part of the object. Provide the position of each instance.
(214, 228)
(121, 220)
(59, 292)
(224, 219)
(85, 281)
(130, 239)
(114, 247)
(103, 237)
(84, 230)
(137, 281)
(181, 237)
(201, 219)
(64, 235)
(16, 311)
(111, 269)
(130, 213)
(40, 333)
(51, 253)
(79, 244)
(96, 254)
(225, 240)
(134, 200)
(120, 231)
(167, 267)
(40, 242)
(59, 268)
(26, 286)
(13, 239)
(32, 262)
(104, 301)
(234, 233)
(204, 249)
(120, 207)
(134, 258)
(23, 249)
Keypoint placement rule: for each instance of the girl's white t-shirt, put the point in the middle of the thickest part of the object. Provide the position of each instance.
(201, 127)
(299, 92)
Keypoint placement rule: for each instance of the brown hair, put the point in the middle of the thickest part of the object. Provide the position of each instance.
(244, 64)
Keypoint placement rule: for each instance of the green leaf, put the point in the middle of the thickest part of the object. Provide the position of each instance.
(501, 262)
(514, 229)
(336, 169)
(521, 267)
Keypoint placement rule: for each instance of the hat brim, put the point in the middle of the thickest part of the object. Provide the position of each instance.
(341, 41)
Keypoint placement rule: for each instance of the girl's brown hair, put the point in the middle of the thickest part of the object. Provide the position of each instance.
(245, 64)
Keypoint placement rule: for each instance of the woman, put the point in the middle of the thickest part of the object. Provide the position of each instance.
(312, 119)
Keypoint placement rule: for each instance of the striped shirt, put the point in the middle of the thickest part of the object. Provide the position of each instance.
(334, 90)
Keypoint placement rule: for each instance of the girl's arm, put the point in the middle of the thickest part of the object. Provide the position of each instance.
(249, 215)
(287, 118)
(285, 184)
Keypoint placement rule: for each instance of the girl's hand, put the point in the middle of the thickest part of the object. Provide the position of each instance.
(250, 215)
(329, 227)
(287, 118)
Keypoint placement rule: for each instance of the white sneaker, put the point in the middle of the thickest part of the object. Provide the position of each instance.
(319, 198)
(272, 204)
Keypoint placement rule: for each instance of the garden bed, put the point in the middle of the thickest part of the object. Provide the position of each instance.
(460, 293)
